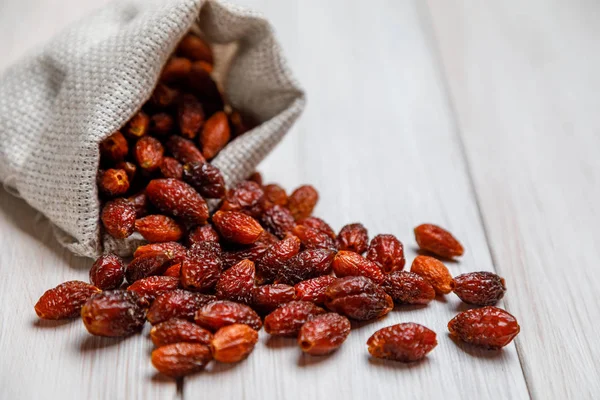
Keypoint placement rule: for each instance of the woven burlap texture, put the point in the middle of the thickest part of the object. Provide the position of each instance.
(61, 100)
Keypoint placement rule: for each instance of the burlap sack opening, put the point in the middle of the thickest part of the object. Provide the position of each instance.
(61, 100)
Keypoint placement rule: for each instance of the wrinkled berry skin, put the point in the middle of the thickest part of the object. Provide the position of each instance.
(153, 286)
(404, 342)
(276, 256)
(149, 153)
(158, 228)
(479, 288)
(269, 297)
(349, 263)
(178, 199)
(408, 288)
(313, 238)
(113, 313)
(237, 227)
(178, 330)
(323, 334)
(278, 220)
(201, 268)
(171, 168)
(65, 300)
(305, 265)
(184, 150)
(318, 224)
(113, 182)
(302, 201)
(173, 251)
(353, 237)
(289, 318)
(215, 135)
(438, 241)
(176, 304)
(247, 197)
(388, 252)
(118, 218)
(233, 343)
(314, 290)
(434, 272)
(204, 233)
(358, 298)
(220, 313)
(489, 327)
(107, 272)
(114, 148)
(205, 178)
(237, 283)
(147, 265)
(275, 195)
(180, 359)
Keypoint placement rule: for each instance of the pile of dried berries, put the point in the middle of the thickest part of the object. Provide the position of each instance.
(208, 283)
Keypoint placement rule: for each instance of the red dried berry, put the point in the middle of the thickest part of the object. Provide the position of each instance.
(162, 124)
(252, 252)
(247, 197)
(233, 343)
(314, 290)
(353, 237)
(269, 297)
(302, 201)
(175, 70)
(289, 318)
(218, 314)
(275, 195)
(180, 359)
(318, 224)
(153, 286)
(158, 228)
(237, 283)
(305, 265)
(174, 270)
(404, 342)
(323, 334)
(201, 268)
(358, 298)
(140, 204)
(490, 327)
(149, 153)
(408, 288)
(434, 272)
(147, 265)
(203, 233)
(479, 288)
(349, 263)
(237, 227)
(177, 198)
(313, 238)
(194, 48)
(107, 272)
(438, 241)
(65, 300)
(118, 218)
(113, 182)
(176, 304)
(184, 150)
(387, 252)
(114, 148)
(113, 313)
(171, 168)
(129, 168)
(137, 125)
(205, 178)
(215, 135)
(276, 256)
(256, 177)
(190, 116)
(278, 220)
(173, 251)
(179, 330)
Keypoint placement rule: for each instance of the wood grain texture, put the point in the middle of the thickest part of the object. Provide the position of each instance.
(523, 78)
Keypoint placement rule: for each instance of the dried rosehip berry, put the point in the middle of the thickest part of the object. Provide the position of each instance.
(148, 153)
(202, 85)
(314, 290)
(162, 97)
(129, 168)
(153, 286)
(158, 228)
(313, 238)
(215, 135)
(276, 256)
(218, 314)
(147, 265)
(323, 334)
(434, 272)
(349, 263)
(201, 268)
(438, 241)
(180, 359)
(275, 195)
(179, 330)
(161, 124)
(247, 197)
(178, 199)
(237, 283)
(174, 270)
(176, 304)
(479, 288)
(305, 265)
(408, 288)
(239, 124)
(237, 227)
(353, 237)
(194, 48)
(173, 251)
(137, 125)
(302, 201)
(387, 252)
(205, 178)
(190, 116)
(358, 298)
(318, 224)
(490, 327)
(252, 252)
(233, 343)
(107, 272)
(256, 177)
(289, 318)
(175, 70)
(184, 150)
(113, 182)
(113, 313)
(278, 220)
(118, 218)
(269, 297)
(202, 233)
(171, 168)
(65, 300)
(404, 342)
(140, 204)
(114, 148)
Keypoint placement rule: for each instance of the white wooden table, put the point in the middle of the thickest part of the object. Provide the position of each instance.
(482, 116)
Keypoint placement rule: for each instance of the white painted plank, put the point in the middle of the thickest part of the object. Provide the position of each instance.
(524, 81)
(377, 140)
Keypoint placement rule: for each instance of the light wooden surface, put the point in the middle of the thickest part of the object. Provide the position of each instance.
(479, 116)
